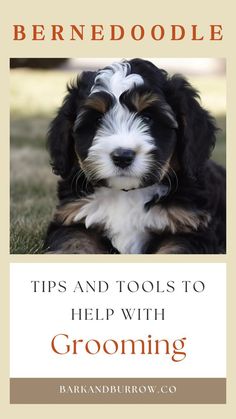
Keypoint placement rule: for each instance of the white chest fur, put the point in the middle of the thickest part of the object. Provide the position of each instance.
(123, 216)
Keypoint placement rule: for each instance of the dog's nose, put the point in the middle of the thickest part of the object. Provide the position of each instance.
(123, 157)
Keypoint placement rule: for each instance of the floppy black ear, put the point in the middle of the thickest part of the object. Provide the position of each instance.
(60, 134)
(197, 129)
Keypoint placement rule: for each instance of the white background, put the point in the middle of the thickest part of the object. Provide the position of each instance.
(37, 317)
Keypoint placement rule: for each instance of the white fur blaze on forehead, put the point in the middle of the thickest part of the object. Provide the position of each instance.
(116, 79)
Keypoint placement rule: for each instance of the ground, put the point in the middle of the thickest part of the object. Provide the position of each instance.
(35, 96)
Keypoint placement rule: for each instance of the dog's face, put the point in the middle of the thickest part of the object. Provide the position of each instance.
(123, 125)
(124, 131)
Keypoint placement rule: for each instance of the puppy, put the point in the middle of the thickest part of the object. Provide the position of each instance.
(132, 148)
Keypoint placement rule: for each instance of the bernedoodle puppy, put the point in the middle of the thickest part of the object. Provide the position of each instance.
(132, 146)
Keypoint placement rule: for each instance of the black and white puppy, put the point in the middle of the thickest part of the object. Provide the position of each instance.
(132, 147)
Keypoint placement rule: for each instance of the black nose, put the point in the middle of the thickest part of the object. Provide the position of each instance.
(123, 157)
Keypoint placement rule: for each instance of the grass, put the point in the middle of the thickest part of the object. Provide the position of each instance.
(35, 96)
(32, 198)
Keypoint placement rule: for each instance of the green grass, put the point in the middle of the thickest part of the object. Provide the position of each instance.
(32, 198)
(35, 96)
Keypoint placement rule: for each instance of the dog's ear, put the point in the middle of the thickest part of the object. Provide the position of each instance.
(197, 129)
(60, 134)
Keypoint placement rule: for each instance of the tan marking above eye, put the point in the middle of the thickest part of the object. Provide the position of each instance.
(96, 103)
(143, 101)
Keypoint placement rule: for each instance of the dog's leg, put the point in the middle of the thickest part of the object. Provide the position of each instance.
(76, 240)
(192, 243)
